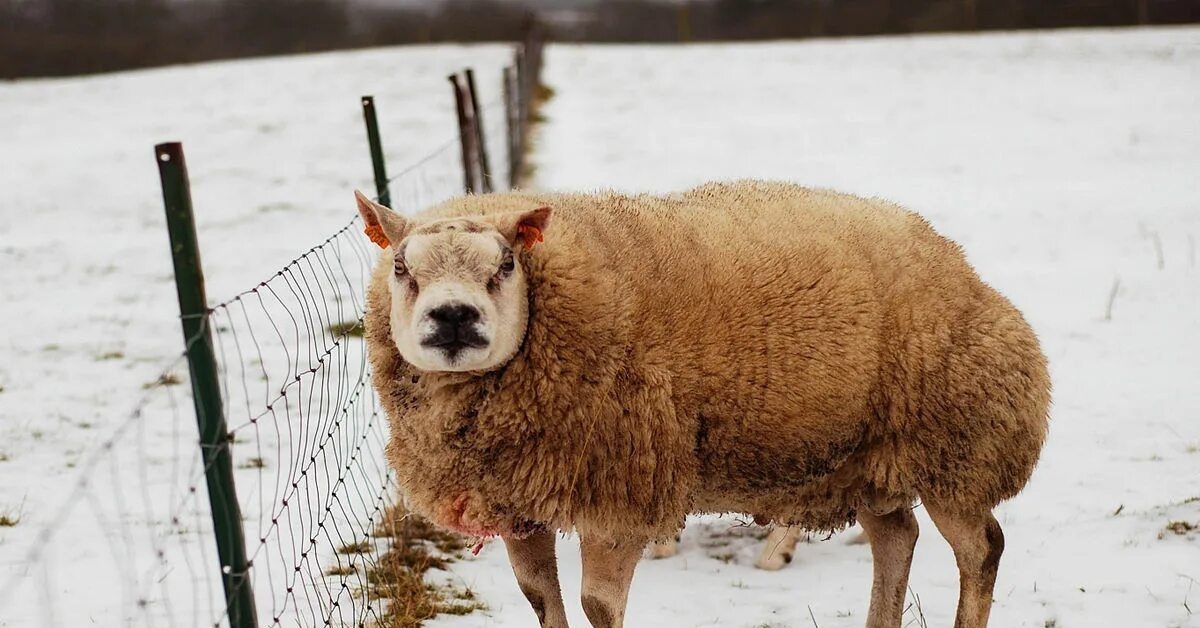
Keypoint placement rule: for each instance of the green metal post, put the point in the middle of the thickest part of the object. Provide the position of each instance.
(206, 387)
(381, 178)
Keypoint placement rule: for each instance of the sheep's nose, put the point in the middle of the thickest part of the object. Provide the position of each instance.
(454, 314)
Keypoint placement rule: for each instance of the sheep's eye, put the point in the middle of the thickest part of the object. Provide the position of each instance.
(507, 266)
(401, 269)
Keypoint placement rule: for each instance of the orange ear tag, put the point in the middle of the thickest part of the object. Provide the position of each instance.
(530, 235)
(375, 232)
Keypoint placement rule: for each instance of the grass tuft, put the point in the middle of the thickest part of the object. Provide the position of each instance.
(10, 518)
(399, 574)
(361, 547)
(1181, 527)
(341, 570)
(542, 93)
(253, 463)
(166, 379)
(347, 328)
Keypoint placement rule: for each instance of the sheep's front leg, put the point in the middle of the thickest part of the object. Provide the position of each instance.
(534, 564)
(607, 571)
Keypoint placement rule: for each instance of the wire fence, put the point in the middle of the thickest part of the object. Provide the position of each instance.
(301, 433)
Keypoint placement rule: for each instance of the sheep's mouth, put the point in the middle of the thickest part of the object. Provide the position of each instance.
(455, 341)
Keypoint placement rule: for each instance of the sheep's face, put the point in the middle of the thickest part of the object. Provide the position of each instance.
(459, 300)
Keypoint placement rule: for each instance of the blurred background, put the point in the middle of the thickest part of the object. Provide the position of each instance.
(65, 37)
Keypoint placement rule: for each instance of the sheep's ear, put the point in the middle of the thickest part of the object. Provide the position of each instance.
(383, 225)
(525, 227)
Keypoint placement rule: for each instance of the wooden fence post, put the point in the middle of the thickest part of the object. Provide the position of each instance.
(466, 136)
(485, 170)
(512, 125)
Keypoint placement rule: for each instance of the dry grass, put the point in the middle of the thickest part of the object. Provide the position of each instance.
(347, 328)
(542, 93)
(1181, 527)
(166, 379)
(340, 570)
(361, 547)
(10, 517)
(398, 576)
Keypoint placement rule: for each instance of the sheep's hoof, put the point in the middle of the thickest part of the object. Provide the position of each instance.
(773, 561)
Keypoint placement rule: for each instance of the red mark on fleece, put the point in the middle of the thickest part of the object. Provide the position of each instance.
(458, 521)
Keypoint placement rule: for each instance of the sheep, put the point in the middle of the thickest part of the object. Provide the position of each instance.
(777, 551)
(803, 356)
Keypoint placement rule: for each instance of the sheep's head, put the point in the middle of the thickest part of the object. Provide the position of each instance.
(459, 299)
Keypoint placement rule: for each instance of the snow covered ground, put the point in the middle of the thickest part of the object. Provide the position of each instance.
(89, 310)
(1064, 162)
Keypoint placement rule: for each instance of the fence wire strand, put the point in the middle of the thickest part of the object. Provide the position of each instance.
(305, 432)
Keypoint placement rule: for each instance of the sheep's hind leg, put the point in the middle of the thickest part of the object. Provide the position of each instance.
(779, 548)
(534, 564)
(893, 537)
(978, 542)
(607, 572)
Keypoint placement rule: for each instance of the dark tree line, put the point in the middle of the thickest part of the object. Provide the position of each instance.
(65, 37)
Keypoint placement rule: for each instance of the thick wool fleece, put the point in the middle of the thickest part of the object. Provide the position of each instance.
(790, 353)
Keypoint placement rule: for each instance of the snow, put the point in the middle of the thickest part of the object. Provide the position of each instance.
(1062, 161)
(1057, 160)
(275, 148)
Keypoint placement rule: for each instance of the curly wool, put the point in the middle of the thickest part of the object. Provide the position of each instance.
(790, 353)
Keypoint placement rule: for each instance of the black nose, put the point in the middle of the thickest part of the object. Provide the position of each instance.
(454, 314)
(454, 328)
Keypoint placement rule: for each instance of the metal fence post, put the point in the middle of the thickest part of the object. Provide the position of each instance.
(206, 391)
(485, 171)
(381, 178)
(466, 136)
(521, 61)
(512, 126)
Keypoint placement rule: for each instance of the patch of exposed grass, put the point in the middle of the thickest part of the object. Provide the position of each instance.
(253, 463)
(4, 457)
(398, 576)
(542, 93)
(1181, 527)
(110, 355)
(10, 518)
(166, 379)
(361, 547)
(340, 570)
(725, 557)
(347, 328)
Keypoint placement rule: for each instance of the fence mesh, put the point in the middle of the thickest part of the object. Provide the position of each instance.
(307, 439)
